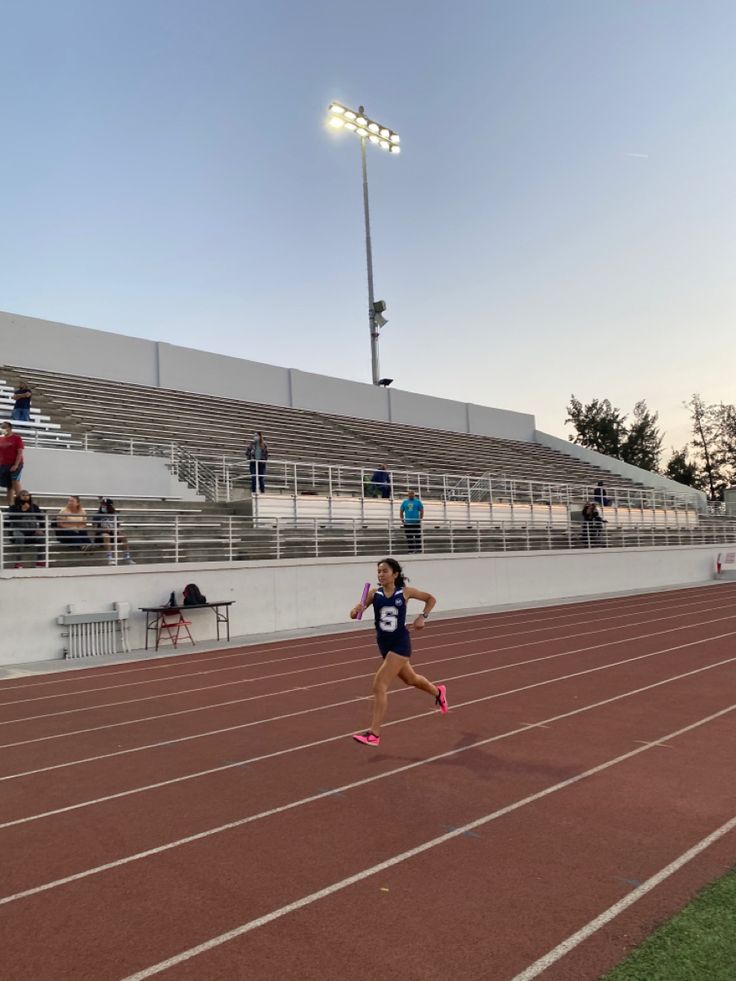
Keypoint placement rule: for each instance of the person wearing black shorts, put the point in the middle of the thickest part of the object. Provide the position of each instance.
(389, 601)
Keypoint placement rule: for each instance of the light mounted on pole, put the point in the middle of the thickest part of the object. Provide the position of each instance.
(368, 131)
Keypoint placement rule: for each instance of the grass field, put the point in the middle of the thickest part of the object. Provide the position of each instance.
(699, 944)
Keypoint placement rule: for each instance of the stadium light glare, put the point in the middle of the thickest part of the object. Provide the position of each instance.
(368, 131)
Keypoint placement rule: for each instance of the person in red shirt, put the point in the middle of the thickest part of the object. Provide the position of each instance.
(11, 461)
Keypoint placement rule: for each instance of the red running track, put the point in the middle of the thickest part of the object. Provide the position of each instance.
(207, 817)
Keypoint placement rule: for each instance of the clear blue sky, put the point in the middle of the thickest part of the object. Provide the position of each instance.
(561, 218)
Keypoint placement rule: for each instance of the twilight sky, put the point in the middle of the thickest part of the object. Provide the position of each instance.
(561, 219)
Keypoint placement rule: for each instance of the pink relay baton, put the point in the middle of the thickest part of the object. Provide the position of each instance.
(363, 598)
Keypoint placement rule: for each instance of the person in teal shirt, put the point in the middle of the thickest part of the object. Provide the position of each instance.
(412, 512)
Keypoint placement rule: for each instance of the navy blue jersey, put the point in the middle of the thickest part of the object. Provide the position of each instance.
(390, 617)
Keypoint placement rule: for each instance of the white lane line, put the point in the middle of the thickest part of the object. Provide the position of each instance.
(321, 684)
(269, 648)
(636, 605)
(483, 621)
(367, 644)
(343, 735)
(201, 835)
(573, 941)
(372, 657)
(426, 846)
(319, 708)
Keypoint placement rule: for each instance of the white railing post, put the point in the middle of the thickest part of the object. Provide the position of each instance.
(295, 481)
(176, 539)
(230, 538)
(355, 539)
(115, 553)
(452, 538)
(47, 541)
(390, 536)
(2, 538)
(316, 538)
(278, 538)
(477, 535)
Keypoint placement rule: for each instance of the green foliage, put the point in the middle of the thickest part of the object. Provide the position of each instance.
(602, 427)
(682, 469)
(712, 444)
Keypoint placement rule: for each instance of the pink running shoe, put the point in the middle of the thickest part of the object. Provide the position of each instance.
(368, 738)
(441, 699)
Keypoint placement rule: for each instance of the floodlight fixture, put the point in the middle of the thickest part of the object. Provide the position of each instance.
(368, 131)
(388, 136)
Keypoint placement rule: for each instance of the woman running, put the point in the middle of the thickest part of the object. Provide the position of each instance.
(389, 603)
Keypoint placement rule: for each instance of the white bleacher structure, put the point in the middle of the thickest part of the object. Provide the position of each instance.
(482, 490)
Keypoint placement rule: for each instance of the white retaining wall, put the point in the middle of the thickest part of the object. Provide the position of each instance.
(274, 596)
(48, 471)
(32, 343)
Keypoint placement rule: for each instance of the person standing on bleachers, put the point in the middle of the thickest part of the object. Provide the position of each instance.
(22, 410)
(412, 513)
(11, 461)
(257, 453)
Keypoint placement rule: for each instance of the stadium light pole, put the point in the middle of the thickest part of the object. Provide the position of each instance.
(368, 131)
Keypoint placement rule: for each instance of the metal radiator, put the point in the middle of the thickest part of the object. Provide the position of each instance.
(96, 634)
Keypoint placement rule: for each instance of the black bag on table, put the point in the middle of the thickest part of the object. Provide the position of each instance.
(193, 595)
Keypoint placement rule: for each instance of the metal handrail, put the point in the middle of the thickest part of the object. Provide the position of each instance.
(183, 539)
(227, 474)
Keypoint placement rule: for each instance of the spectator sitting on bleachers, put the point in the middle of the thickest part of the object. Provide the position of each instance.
(108, 530)
(71, 525)
(381, 481)
(25, 520)
(22, 410)
(593, 523)
(11, 461)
